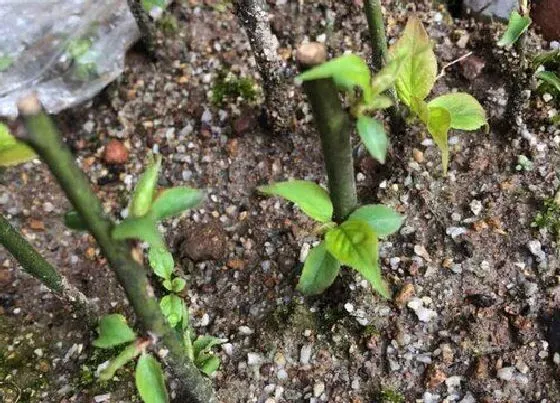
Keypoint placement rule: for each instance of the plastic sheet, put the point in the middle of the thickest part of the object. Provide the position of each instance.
(65, 50)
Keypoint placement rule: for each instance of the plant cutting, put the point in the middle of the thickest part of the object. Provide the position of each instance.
(414, 82)
(45, 140)
(351, 234)
(353, 242)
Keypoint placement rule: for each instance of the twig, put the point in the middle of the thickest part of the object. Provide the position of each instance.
(253, 17)
(380, 57)
(446, 66)
(34, 264)
(45, 139)
(335, 128)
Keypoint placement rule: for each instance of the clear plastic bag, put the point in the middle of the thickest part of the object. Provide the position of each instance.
(64, 50)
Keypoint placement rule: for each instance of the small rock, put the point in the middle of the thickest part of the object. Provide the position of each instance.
(418, 156)
(305, 353)
(476, 207)
(37, 225)
(506, 373)
(245, 330)
(115, 153)
(282, 374)
(318, 389)
(423, 314)
(203, 241)
(434, 377)
(405, 294)
(254, 359)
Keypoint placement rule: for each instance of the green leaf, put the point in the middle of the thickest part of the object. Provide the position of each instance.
(204, 358)
(204, 344)
(383, 220)
(439, 122)
(516, 26)
(142, 228)
(150, 381)
(319, 271)
(549, 58)
(5, 62)
(127, 355)
(379, 102)
(387, 76)
(210, 365)
(418, 72)
(178, 284)
(144, 191)
(16, 154)
(372, 133)
(161, 261)
(174, 201)
(168, 284)
(172, 308)
(12, 151)
(420, 108)
(73, 220)
(550, 78)
(347, 71)
(113, 331)
(78, 47)
(355, 245)
(310, 197)
(466, 112)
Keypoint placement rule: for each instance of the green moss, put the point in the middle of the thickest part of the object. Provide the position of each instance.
(228, 88)
(168, 24)
(391, 396)
(549, 217)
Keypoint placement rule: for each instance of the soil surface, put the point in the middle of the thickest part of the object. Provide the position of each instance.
(474, 318)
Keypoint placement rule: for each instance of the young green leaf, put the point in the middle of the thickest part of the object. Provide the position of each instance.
(113, 331)
(144, 191)
(5, 62)
(204, 358)
(550, 78)
(209, 365)
(347, 71)
(420, 108)
(378, 102)
(172, 308)
(310, 197)
(168, 284)
(439, 122)
(12, 151)
(161, 261)
(372, 133)
(178, 284)
(125, 356)
(383, 220)
(550, 58)
(73, 220)
(150, 381)
(387, 76)
(142, 228)
(174, 201)
(417, 75)
(355, 245)
(516, 26)
(319, 271)
(466, 112)
(204, 344)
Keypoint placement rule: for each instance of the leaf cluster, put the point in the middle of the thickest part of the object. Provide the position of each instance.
(353, 243)
(415, 81)
(12, 151)
(351, 74)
